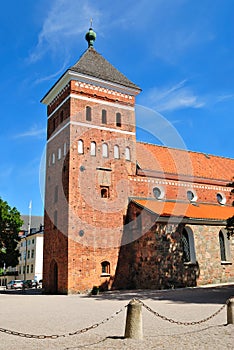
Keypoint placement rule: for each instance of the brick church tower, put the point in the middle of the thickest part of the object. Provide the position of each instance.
(91, 152)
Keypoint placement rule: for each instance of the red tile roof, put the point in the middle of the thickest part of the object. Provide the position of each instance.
(175, 161)
(187, 210)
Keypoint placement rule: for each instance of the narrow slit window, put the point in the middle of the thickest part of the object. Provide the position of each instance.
(104, 120)
(127, 153)
(118, 119)
(88, 114)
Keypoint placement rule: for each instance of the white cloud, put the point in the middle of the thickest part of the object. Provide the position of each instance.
(33, 132)
(223, 98)
(64, 23)
(178, 96)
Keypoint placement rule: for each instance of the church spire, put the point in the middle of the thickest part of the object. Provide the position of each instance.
(90, 35)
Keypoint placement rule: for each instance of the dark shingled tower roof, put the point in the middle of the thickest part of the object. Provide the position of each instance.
(93, 64)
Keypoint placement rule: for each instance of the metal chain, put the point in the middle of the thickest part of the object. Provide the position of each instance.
(180, 322)
(55, 336)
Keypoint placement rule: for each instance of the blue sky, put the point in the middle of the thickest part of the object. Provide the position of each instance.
(180, 52)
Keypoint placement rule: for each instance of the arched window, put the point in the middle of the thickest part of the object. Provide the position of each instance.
(224, 243)
(105, 150)
(127, 153)
(104, 121)
(80, 147)
(118, 119)
(105, 267)
(88, 114)
(105, 192)
(188, 246)
(116, 152)
(93, 148)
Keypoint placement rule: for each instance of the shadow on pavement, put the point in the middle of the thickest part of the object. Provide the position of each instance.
(198, 295)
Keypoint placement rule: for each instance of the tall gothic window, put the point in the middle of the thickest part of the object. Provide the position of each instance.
(188, 246)
(224, 244)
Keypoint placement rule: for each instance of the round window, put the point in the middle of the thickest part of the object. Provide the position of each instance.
(191, 195)
(158, 193)
(221, 198)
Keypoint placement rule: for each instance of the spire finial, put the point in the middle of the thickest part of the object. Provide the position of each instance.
(90, 35)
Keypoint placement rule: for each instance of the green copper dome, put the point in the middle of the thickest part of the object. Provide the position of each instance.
(90, 37)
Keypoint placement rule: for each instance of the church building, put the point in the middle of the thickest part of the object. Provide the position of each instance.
(123, 214)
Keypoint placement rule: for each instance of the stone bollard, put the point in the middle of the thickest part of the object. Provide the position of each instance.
(230, 311)
(133, 328)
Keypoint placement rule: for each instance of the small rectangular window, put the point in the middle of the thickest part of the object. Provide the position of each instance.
(32, 268)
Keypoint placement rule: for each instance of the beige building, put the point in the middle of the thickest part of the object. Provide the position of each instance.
(31, 250)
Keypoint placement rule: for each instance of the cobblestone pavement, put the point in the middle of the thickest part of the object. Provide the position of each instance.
(34, 313)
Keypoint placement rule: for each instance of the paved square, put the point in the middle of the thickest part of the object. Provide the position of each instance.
(37, 314)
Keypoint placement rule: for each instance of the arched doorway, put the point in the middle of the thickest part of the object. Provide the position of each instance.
(54, 277)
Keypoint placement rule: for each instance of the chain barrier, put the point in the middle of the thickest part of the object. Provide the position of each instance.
(95, 325)
(180, 322)
(55, 336)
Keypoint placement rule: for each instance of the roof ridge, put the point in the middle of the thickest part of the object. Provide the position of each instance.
(185, 150)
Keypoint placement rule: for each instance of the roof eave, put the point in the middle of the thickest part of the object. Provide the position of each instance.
(72, 75)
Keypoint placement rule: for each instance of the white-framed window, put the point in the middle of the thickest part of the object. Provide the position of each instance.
(80, 146)
(221, 198)
(93, 148)
(105, 150)
(188, 245)
(191, 195)
(59, 153)
(158, 192)
(224, 244)
(127, 153)
(116, 152)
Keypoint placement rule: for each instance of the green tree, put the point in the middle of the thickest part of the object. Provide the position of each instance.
(230, 226)
(10, 224)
